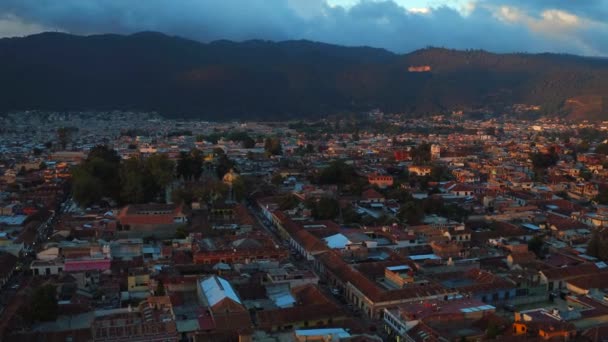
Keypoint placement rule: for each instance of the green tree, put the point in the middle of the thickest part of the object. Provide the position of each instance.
(273, 147)
(86, 189)
(248, 142)
(338, 172)
(182, 196)
(288, 202)
(161, 168)
(544, 160)
(411, 212)
(160, 288)
(37, 151)
(602, 196)
(43, 305)
(64, 135)
(190, 165)
(602, 149)
(595, 245)
(133, 182)
(277, 179)
(440, 173)
(223, 165)
(240, 189)
(180, 232)
(583, 146)
(326, 209)
(536, 245)
(422, 153)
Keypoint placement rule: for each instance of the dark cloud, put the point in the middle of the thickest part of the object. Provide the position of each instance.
(496, 25)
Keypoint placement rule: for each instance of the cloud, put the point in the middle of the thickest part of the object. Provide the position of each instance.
(567, 30)
(13, 26)
(495, 25)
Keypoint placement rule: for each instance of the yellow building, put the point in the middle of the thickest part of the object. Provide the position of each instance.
(138, 283)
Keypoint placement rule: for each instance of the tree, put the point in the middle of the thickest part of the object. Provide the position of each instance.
(536, 245)
(544, 160)
(136, 185)
(585, 174)
(223, 165)
(594, 246)
(37, 151)
(240, 189)
(338, 172)
(422, 153)
(602, 196)
(86, 189)
(288, 202)
(182, 196)
(43, 305)
(64, 136)
(277, 179)
(248, 142)
(490, 131)
(440, 173)
(598, 246)
(161, 168)
(326, 209)
(190, 165)
(273, 146)
(602, 149)
(411, 212)
(180, 233)
(160, 288)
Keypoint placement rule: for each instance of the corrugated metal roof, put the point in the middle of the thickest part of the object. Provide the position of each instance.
(217, 289)
(338, 241)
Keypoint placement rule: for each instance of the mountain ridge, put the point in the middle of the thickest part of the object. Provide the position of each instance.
(258, 79)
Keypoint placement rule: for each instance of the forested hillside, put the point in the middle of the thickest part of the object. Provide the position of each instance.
(292, 79)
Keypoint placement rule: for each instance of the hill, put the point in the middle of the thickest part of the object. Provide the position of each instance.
(261, 79)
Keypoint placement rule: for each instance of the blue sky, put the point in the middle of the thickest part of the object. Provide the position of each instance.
(566, 26)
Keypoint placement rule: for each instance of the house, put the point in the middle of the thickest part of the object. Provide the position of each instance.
(321, 334)
(371, 196)
(138, 283)
(314, 309)
(381, 181)
(151, 320)
(520, 258)
(543, 324)
(420, 170)
(458, 234)
(402, 155)
(161, 220)
(556, 278)
(47, 267)
(437, 320)
(366, 294)
(461, 190)
(222, 306)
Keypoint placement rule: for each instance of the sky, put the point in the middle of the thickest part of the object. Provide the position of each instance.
(565, 26)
